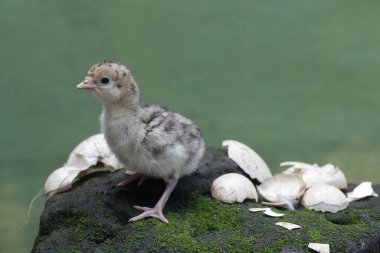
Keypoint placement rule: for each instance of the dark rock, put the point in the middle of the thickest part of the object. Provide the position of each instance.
(93, 217)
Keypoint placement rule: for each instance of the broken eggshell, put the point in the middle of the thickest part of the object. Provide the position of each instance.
(313, 174)
(361, 191)
(85, 155)
(271, 213)
(283, 189)
(91, 151)
(61, 180)
(247, 159)
(267, 211)
(287, 225)
(320, 247)
(324, 198)
(233, 187)
(258, 209)
(299, 165)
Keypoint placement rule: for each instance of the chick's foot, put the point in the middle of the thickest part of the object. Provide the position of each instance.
(149, 212)
(156, 211)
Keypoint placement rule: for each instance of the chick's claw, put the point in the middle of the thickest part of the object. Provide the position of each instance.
(149, 212)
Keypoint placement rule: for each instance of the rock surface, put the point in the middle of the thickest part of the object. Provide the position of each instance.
(93, 217)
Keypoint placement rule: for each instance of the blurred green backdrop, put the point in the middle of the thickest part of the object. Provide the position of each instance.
(295, 80)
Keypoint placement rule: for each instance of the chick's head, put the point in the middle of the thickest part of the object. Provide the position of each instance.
(110, 83)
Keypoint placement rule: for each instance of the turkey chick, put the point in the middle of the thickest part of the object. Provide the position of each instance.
(149, 139)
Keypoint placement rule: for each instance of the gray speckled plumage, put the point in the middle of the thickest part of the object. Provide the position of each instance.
(150, 140)
(154, 141)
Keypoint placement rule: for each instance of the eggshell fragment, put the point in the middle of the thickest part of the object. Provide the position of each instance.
(248, 160)
(361, 191)
(320, 247)
(85, 155)
(281, 187)
(258, 209)
(313, 174)
(233, 187)
(60, 180)
(324, 198)
(91, 151)
(266, 211)
(298, 165)
(271, 213)
(287, 225)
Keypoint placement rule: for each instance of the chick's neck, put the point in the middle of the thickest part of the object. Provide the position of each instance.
(124, 107)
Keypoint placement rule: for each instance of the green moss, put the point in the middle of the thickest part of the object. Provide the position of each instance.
(274, 247)
(205, 215)
(136, 235)
(324, 228)
(347, 217)
(74, 249)
(84, 228)
(210, 226)
(206, 225)
(376, 215)
(76, 228)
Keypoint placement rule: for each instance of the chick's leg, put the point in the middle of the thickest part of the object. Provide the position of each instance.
(131, 178)
(156, 211)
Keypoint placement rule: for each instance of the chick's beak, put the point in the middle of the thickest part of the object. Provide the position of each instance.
(86, 85)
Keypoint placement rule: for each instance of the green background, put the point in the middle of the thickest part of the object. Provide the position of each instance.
(295, 80)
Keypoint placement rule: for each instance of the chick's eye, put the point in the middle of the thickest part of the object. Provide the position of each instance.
(105, 80)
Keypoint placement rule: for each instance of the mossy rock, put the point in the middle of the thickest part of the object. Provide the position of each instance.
(93, 217)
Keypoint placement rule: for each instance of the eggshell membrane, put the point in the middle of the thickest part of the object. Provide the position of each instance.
(288, 204)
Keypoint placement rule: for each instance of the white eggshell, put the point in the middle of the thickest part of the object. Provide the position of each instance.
(271, 213)
(91, 151)
(334, 176)
(298, 165)
(361, 191)
(324, 198)
(289, 187)
(60, 180)
(233, 187)
(88, 153)
(266, 211)
(313, 174)
(258, 209)
(320, 247)
(287, 225)
(248, 160)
